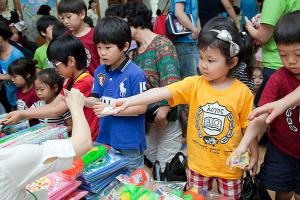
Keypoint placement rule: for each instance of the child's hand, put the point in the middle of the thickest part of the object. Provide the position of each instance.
(237, 154)
(275, 109)
(121, 104)
(13, 117)
(75, 99)
(252, 167)
(256, 21)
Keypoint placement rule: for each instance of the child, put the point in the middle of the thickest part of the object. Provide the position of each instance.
(48, 84)
(22, 72)
(257, 76)
(219, 106)
(44, 26)
(8, 54)
(72, 14)
(280, 171)
(22, 164)
(69, 58)
(118, 77)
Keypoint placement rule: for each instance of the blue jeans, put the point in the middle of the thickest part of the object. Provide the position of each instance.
(134, 157)
(188, 55)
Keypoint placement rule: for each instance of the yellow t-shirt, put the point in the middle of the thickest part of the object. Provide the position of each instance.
(215, 123)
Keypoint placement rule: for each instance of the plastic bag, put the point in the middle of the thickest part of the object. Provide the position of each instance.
(253, 189)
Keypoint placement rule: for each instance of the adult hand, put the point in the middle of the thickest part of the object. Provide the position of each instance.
(256, 21)
(74, 99)
(195, 33)
(161, 117)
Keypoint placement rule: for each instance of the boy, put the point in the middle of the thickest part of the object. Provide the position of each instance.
(72, 14)
(22, 164)
(68, 56)
(44, 26)
(280, 171)
(118, 77)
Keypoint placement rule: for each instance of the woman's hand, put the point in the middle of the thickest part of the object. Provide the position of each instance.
(74, 99)
(161, 117)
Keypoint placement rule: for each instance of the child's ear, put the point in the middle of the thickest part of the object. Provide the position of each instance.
(126, 47)
(82, 14)
(234, 62)
(43, 33)
(71, 62)
(55, 88)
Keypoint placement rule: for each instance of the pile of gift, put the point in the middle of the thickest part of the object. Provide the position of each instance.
(34, 135)
(140, 186)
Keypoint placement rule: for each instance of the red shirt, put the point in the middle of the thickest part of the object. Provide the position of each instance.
(84, 84)
(285, 129)
(26, 99)
(93, 59)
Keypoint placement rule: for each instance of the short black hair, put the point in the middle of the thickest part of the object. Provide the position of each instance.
(116, 10)
(24, 67)
(58, 30)
(90, 3)
(89, 21)
(138, 15)
(44, 10)
(64, 46)
(246, 54)
(51, 77)
(5, 32)
(45, 21)
(71, 6)
(287, 30)
(113, 30)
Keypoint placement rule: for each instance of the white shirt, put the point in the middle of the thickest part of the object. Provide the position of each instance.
(93, 16)
(22, 164)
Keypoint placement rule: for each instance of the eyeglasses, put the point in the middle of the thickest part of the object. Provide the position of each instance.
(56, 64)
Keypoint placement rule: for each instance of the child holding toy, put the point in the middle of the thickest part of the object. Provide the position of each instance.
(219, 106)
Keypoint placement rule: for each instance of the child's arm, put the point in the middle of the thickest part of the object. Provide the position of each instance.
(145, 98)
(81, 133)
(91, 101)
(276, 108)
(254, 128)
(54, 109)
(253, 147)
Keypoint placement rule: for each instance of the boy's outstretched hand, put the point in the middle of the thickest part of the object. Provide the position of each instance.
(74, 99)
(274, 109)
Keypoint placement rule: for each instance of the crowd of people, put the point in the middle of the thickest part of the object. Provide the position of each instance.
(160, 90)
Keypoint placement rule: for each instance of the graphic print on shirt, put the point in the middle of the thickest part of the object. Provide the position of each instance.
(101, 79)
(288, 114)
(214, 117)
(21, 105)
(88, 57)
(122, 88)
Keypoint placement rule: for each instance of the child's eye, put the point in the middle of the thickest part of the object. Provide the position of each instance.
(211, 61)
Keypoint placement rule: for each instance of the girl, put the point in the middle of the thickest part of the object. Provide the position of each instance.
(22, 72)
(219, 106)
(48, 85)
(257, 77)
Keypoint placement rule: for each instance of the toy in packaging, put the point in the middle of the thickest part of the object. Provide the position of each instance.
(240, 163)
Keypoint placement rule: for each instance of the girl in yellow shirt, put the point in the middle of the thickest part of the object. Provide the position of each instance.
(219, 106)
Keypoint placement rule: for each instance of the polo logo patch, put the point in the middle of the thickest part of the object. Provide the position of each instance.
(122, 88)
(101, 79)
